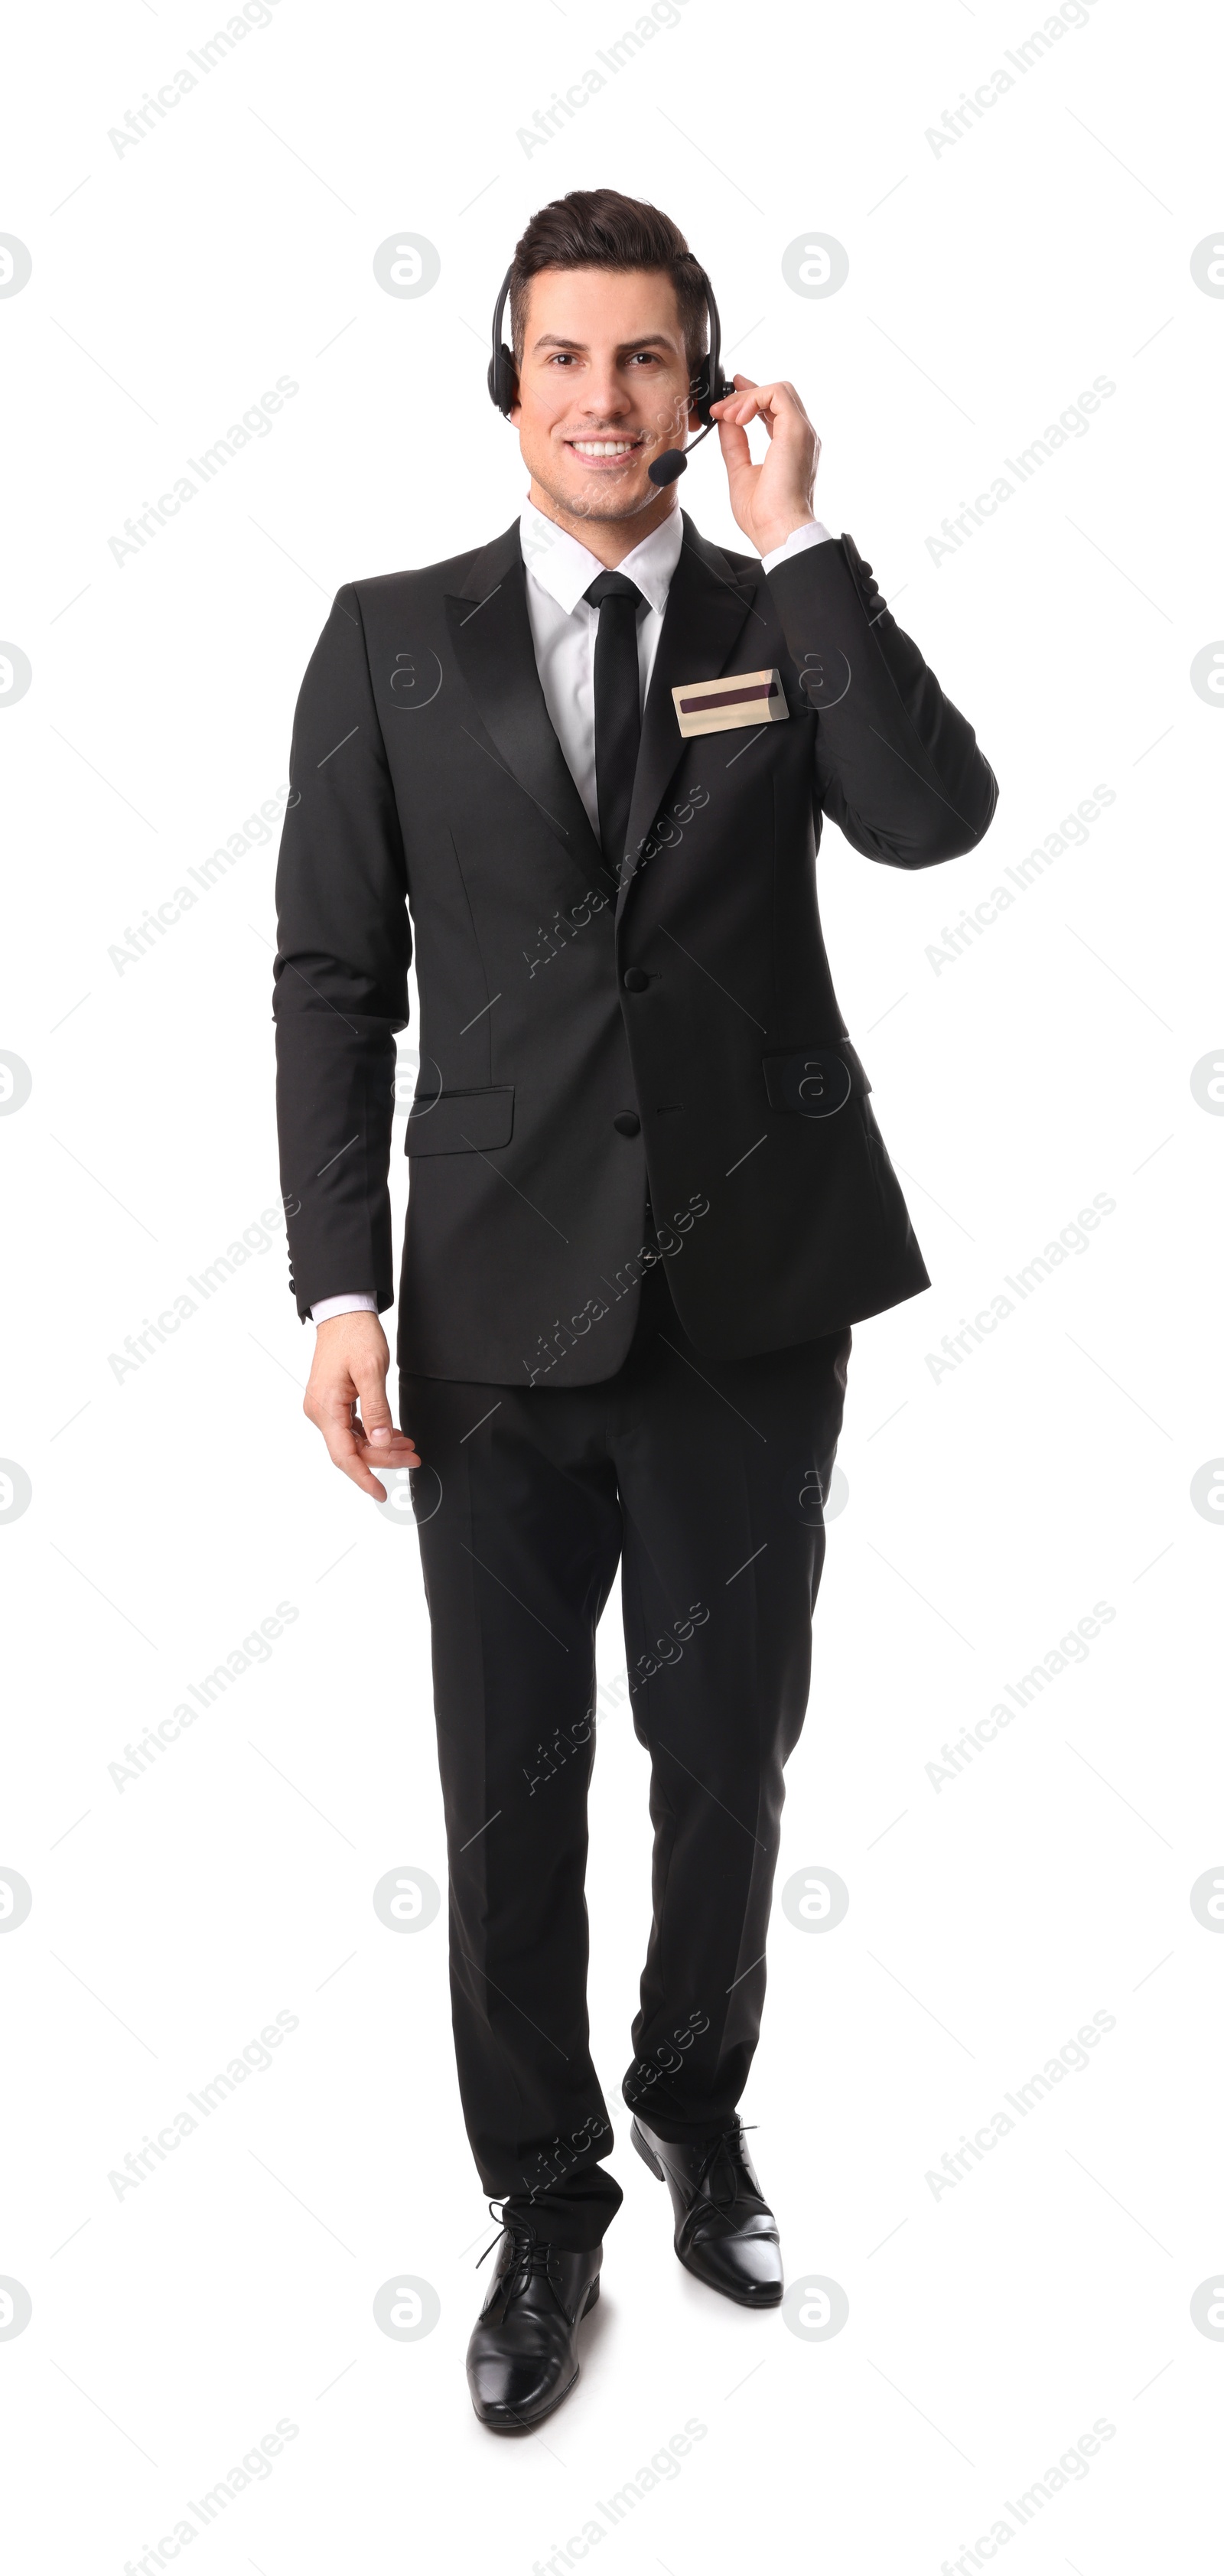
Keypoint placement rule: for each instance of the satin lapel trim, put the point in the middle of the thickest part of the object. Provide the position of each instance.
(490, 633)
(706, 611)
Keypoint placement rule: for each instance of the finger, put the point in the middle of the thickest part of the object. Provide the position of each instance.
(345, 1452)
(786, 402)
(765, 402)
(357, 1460)
(330, 1408)
(741, 384)
(736, 453)
(741, 406)
(371, 1383)
(376, 1443)
(399, 1451)
(345, 1448)
(754, 404)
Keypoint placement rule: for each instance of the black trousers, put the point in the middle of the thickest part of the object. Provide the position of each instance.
(704, 1481)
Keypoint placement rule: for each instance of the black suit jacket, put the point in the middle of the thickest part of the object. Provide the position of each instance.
(589, 1035)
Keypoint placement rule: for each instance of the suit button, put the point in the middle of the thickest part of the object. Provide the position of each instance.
(628, 1123)
(635, 981)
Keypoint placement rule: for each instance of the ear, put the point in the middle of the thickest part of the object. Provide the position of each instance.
(695, 420)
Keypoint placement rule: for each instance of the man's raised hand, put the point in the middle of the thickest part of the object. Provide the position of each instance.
(772, 499)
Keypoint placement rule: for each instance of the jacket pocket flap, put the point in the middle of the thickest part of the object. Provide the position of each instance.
(460, 1122)
(815, 1081)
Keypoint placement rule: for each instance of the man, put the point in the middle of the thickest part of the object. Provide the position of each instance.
(648, 1198)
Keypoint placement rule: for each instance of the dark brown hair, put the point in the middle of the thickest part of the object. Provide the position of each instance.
(598, 228)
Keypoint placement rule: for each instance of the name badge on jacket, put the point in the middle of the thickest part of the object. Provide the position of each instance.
(743, 698)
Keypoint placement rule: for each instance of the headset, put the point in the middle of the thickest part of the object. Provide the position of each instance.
(709, 385)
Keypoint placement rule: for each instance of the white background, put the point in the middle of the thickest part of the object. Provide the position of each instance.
(989, 1509)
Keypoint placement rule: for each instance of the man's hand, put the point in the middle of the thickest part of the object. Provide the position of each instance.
(349, 1370)
(772, 499)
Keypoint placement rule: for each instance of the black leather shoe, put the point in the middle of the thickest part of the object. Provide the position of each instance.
(725, 2231)
(522, 2358)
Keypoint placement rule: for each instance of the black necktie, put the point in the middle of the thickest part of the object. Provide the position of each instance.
(618, 706)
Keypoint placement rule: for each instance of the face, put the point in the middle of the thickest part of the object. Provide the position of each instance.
(603, 388)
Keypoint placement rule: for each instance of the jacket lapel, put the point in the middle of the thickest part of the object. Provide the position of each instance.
(490, 633)
(706, 611)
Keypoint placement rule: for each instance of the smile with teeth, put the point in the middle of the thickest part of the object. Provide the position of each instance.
(604, 446)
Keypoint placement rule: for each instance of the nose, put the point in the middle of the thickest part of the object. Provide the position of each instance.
(604, 398)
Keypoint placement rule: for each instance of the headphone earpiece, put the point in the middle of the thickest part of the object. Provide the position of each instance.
(503, 374)
(710, 385)
(503, 379)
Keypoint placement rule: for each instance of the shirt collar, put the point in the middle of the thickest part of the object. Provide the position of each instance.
(565, 569)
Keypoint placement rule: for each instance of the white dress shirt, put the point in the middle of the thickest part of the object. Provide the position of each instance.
(563, 631)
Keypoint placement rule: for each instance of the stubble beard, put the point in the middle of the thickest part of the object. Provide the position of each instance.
(600, 506)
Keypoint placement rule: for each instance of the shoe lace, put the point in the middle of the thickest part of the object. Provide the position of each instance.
(527, 2254)
(707, 2177)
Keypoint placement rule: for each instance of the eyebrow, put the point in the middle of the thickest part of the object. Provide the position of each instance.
(643, 340)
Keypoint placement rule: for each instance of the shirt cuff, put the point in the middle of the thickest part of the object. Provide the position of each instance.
(813, 533)
(355, 1305)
